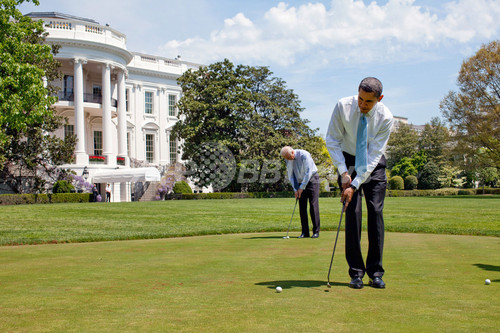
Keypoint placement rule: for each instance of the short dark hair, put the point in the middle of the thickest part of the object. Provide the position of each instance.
(371, 84)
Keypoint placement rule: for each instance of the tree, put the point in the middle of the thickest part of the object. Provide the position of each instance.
(434, 141)
(239, 116)
(28, 155)
(402, 143)
(404, 168)
(474, 111)
(428, 179)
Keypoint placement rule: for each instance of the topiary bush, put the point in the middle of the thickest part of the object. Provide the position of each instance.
(182, 187)
(396, 183)
(429, 177)
(411, 183)
(62, 186)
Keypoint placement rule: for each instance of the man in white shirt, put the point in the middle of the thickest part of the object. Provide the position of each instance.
(364, 171)
(303, 175)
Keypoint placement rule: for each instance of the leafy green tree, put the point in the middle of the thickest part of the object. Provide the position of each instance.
(474, 111)
(404, 168)
(428, 179)
(402, 143)
(246, 110)
(488, 176)
(434, 141)
(62, 186)
(28, 155)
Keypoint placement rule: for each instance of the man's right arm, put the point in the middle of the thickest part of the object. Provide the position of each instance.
(334, 138)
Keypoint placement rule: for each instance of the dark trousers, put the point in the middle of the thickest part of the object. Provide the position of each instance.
(374, 192)
(311, 193)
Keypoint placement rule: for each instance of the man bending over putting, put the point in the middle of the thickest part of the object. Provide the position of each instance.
(303, 175)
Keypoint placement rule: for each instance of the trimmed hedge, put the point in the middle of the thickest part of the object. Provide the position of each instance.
(441, 192)
(241, 195)
(23, 199)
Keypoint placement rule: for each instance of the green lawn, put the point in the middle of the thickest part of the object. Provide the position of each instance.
(223, 277)
(226, 283)
(86, 222)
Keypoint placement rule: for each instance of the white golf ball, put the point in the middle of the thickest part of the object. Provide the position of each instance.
(487, 281)
(279, 289)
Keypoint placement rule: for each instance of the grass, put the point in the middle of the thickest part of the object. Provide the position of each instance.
(90, 222)
(227, 284)
(435, 268)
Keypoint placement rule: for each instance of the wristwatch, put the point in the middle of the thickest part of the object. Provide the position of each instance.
(353, 188)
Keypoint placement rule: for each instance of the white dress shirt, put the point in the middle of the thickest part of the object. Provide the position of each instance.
(342, 131)
(301, 169)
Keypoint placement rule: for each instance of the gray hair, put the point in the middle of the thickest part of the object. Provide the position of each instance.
(285, 151)
(371, 84)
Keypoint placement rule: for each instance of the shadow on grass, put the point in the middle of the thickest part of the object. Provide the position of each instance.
(492, 268)
(289, 284)
(265, 237)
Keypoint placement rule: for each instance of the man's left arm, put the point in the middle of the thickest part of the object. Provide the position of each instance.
(309, 170)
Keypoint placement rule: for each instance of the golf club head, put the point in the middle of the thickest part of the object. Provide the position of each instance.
(286, 237)
(328, 285)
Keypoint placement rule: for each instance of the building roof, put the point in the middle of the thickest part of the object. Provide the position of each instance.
(60, 16)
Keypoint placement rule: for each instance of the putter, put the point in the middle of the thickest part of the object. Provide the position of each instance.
(286, 237)
(336, 238)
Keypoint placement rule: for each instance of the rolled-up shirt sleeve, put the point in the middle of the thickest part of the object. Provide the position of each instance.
(334, 138)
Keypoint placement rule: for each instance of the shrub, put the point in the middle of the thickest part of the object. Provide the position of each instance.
(429, 177)
(182, 187)
(62, 186)
(396, 183)
(411, 183)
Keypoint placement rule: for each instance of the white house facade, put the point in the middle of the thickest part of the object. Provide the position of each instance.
(121, 105)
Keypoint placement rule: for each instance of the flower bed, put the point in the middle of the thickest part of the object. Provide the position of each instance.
(95, 159)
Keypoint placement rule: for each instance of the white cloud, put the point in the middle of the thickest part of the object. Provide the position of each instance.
(349, 32)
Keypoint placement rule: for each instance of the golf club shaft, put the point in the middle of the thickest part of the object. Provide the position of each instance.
(335, 246)
(289, 224)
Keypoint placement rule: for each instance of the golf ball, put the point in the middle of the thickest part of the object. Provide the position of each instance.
(487, 281)
(279, 289)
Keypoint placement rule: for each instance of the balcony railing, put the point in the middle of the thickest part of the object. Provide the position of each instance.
(88, 98)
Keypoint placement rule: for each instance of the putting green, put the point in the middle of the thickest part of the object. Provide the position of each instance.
(226, 283)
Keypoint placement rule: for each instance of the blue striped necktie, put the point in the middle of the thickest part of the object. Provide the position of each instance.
(361, 146)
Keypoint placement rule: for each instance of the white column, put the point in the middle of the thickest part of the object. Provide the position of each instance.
(107, 148)
(122, 118)
(80, 154)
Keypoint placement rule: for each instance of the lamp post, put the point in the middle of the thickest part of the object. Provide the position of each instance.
(85, 173)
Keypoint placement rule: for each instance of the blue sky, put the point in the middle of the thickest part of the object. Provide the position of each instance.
(322, 49)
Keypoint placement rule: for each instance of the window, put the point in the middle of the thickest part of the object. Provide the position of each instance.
(150, 148)
(173, 148)
(148, 102)
(96, 93)
(69, 130)
(68, 88)
(127, 93)
(98, 143)
(172, 99)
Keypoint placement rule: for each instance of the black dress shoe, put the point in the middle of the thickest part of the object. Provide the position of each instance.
(356, 283)
(377, 282)
(303, 236)
(316, 235)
